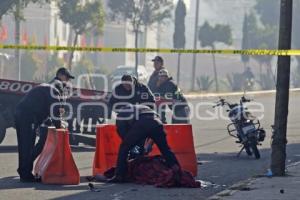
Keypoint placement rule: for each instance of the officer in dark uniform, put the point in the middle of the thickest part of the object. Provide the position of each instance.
(158, 64)
(168, 90)
(32, 111)
(130, 91)
(135, 123)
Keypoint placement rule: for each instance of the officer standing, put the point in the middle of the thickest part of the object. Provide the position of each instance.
(135, 123)
(32, 111)
(168, 90)
(158, 64)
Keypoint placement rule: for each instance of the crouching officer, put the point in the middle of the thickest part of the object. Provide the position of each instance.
(168, 90)
(34, 110)
(130, 90)
(135, 123)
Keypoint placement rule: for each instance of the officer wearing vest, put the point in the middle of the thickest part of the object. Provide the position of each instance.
(135, 123)
(168, 90)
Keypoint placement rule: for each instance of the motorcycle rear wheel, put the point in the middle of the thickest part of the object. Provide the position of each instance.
(248, 150)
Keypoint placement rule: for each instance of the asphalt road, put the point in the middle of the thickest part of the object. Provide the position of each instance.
(216, 152)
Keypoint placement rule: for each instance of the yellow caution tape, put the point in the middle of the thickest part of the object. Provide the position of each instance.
(260, 52)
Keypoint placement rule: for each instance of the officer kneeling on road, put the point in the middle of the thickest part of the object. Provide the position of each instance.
(168, 90)
(135, 123)
(35, 109)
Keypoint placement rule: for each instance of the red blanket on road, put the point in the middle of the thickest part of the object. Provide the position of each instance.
(154, 171)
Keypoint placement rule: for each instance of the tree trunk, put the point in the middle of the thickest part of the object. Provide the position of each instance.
(279, 140)
(136, 34)
(17, 38)
(195, 46)
(215, 71)
(178, 68)
(144, 57)
(72, 52)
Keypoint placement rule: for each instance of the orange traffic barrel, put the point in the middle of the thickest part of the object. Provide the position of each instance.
(56, 165)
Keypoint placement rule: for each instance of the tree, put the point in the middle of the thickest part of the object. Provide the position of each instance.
(5, 6)
(265, 36)
(268, 12)
(16, 7)
(82, 18)
(209, 35)
(140, 13)
(278, 156)
(245, 40)
(179, 33)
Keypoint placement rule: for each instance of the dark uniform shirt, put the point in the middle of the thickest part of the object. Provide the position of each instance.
(169, 91)
(130, 114)
(153, 81)
(139, 95)
(37, 103)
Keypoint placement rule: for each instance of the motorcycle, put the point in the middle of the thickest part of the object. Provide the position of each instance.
(245, 127)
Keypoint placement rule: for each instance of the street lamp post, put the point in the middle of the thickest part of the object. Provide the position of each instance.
(278, 156)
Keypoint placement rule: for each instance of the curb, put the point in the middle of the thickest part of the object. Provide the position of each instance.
(196, 96)
(242, 186)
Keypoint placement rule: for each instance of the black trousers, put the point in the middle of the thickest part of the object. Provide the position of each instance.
(145, 127)
(26, 136)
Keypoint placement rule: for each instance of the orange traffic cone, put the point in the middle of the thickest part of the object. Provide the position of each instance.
(56, 165)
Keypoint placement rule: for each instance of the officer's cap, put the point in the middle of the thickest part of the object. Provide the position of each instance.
(64, 71)
(158, 58)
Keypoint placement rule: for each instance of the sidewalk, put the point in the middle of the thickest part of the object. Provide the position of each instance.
(264, 188)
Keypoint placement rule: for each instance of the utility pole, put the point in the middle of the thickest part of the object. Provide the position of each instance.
(279, 140)
(195, 45)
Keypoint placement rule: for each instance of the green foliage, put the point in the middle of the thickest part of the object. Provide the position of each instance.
(84, 67)
(268, 10)
(266, 82)
(245, 39)
(204, 82)
(209, 35)
(179, 33)
(7, 6)
(235, 81)
(82, 17)
(140, 12)
(53, 63)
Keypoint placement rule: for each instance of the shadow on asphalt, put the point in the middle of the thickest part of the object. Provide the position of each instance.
(227, 168)
(13, 182)
(14, 149)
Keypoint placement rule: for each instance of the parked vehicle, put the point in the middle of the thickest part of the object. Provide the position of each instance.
(130, 70)
(86, 104)
(245, 127)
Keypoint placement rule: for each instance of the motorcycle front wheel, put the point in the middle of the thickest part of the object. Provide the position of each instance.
(253, 146)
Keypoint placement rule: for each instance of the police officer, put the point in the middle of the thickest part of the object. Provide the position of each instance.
(158, 64)
(32, 111)
(168, 90)
(130, 91)
(135, 123)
